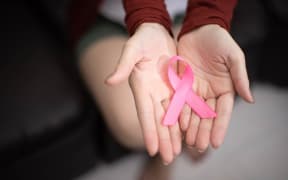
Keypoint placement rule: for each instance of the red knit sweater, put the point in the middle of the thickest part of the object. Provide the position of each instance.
(199, 12)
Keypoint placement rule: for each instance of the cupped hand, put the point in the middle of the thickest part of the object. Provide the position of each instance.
(143, 61)
(220, 71)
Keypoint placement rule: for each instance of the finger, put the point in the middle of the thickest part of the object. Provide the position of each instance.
(176, 138)
(185, 117)
(165, 145)
(145, 111)
(224, 110)
(236, 64)
(125, 65)
(175, 133)
(203, 136)
(192, 130)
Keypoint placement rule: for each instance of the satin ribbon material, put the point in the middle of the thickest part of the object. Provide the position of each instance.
(183, 93)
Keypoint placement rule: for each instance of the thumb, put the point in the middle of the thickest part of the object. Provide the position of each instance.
(124, 67)
(237, 67)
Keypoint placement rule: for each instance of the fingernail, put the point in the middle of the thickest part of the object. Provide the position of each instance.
(165, 163)
(152, 153)
(201, 150)
(177, 152)
(252, 99)
(218, 139)
(106, 80)
(190, 146)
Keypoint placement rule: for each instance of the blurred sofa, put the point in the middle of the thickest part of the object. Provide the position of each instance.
(46, 128)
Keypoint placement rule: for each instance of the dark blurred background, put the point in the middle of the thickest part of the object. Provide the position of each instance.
(46, 115)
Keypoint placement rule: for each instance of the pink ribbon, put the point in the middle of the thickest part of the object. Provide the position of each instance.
(183, 93)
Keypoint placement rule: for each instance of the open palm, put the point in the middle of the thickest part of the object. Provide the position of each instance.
(219, 67)
(143, 61)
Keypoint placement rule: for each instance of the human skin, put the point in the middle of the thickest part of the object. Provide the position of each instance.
(142, 61)
(220, 72)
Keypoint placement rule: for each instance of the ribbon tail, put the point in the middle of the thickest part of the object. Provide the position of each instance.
(199, 106)
(174, 108)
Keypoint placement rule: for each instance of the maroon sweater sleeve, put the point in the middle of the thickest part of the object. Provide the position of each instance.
(201, 12)
(140, 11)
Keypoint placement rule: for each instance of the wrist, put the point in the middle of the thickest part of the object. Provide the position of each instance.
(152, 26)
(206, 27)
(139, 12)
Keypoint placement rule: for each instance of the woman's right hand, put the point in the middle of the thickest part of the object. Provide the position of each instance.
(143, 61)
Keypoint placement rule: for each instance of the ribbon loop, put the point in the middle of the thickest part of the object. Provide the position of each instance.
(183, 93)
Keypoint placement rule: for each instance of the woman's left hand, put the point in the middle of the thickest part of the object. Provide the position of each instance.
(219, 68)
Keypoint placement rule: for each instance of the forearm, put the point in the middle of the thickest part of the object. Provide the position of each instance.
(202, 12)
